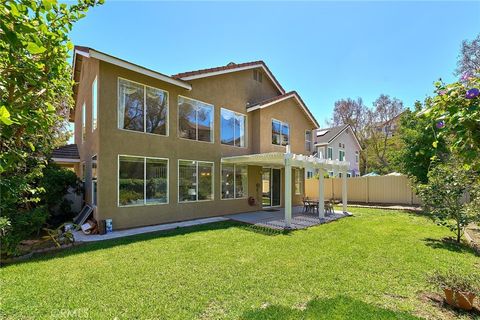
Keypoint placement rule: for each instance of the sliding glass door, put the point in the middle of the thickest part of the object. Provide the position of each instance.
(271, 187)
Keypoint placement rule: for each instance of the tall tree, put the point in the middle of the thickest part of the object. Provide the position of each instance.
(35, 97)
(354, 113)
(469, 57)
(380, 127)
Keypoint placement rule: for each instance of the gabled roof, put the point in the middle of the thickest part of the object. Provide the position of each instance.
(327, 135)
(285, 96)
(67, 152)
(231, 67)
(89, 52)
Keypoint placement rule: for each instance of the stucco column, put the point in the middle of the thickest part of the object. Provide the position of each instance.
(321, 194)
(344, 190)
(288, 190)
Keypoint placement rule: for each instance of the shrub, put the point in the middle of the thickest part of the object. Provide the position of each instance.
(451, 196)
(458, 282)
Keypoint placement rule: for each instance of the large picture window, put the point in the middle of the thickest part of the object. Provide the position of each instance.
(232, 129)
(280, 133)
(234, 181)
(142, 108)
(195, 180)
(142, 180)
(195, 120)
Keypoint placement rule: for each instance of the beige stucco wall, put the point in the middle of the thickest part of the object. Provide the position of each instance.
(232, 91)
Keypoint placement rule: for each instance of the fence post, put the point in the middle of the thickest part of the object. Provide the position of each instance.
(368, 191)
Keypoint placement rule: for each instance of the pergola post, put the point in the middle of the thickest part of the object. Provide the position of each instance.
(344, 190)
(321, 194)
(288, 190)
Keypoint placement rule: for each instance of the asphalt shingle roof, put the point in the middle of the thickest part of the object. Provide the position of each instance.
(70, 151)
(329, 135)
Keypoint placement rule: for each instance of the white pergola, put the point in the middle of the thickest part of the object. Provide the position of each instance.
(288, 160)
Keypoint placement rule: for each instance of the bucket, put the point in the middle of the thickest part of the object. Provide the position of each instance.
(108, 225)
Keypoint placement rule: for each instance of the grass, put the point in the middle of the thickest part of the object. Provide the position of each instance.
(372, 265)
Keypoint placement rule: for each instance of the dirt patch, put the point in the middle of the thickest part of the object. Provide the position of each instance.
(445, 310)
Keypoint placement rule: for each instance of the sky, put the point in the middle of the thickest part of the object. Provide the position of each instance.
(325, 51)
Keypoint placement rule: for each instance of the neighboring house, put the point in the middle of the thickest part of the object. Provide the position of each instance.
(151, 147)
(390, 127)
(338, 143)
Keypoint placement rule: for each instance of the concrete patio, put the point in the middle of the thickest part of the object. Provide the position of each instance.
(275, 218)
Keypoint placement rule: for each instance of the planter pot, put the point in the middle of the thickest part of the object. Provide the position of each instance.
(462, 300)
(449, 296)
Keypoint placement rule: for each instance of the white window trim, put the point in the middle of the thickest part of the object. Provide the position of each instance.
(349, 174)
(95, 102)
(234, 184)
(331, 174)
(84, 122)
(144, 180)
(167, 127)
(344, 154)
(244, 129)
(357, 156)
(213, 122)
(281, 136)
(196, 182)
(330, 148)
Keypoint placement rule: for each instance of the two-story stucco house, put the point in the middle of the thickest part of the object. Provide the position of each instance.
(339, 143)
(154, 148)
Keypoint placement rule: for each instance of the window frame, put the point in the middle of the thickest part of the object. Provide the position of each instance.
(234, 183)
(330, 156)
(244, 129)
(95, 104)
(196, 180)
(339, 152)
(144, 182)
(297, 175)
(213, 122)
(94, 203)
(308, 141)
(281, 135)
(167, 127)
(84, 122)
(357, 156)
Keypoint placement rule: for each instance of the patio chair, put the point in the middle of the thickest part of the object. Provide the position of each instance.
(306, 204)
(328, 206)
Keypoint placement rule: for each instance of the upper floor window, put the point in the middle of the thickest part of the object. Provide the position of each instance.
(356, 156)
(308, 140)
(257, 75)
(341, 155)
(232, 131)
(280, 133)
(195, 119)
(330, 153)
(142, 108)
(94, 104)
(84, 122)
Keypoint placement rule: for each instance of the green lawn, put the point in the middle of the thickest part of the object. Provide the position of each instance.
(371, 265)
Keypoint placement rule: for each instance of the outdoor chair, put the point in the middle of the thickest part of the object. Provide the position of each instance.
(329, 207)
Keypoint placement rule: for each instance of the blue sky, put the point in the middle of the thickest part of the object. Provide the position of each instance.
(324, 50)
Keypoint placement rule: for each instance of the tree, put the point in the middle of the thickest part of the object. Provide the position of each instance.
(35, 96)
(380, 129)
(351, 112)
(449, 196)
(454, 115)
(469, 57)
(413, 158)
